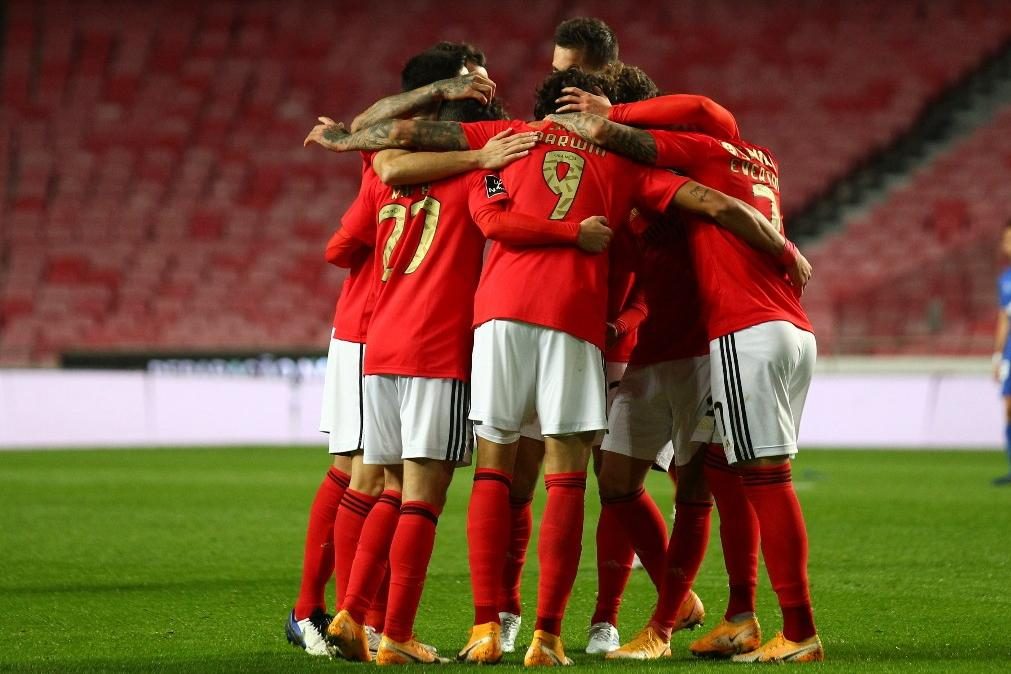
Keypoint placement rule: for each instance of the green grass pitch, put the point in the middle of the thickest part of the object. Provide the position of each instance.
(188, 561)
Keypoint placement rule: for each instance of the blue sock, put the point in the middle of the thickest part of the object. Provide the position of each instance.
(1007, 444)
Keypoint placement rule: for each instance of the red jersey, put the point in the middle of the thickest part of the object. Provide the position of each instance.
(674, 327)
(740, 286)
(563, 178)
(428, 258)
(354, 305)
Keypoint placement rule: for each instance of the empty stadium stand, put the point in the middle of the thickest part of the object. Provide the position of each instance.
(157, 195)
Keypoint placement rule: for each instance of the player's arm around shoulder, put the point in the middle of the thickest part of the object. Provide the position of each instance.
(627, 141)
(748, 224)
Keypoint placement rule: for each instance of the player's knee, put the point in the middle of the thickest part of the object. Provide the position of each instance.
(368, 479)
(614, 484)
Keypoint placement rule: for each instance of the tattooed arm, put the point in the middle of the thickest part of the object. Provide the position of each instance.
(472, 85)
(624, 140)
(748, 224)
(389, 134)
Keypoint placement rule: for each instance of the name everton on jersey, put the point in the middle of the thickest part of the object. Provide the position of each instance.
(754, 164)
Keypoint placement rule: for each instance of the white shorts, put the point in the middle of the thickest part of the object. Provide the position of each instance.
(343, 396)
(613, 371)
(521, 370)
(760, 380)
(661, 412)
(417, 418)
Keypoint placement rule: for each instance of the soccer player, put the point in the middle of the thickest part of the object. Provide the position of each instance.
(341, 419)
(759, 334)
(451, 80)
(523, 316)
(1002, 348)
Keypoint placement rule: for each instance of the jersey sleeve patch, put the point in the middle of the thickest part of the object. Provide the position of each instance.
(493, 186)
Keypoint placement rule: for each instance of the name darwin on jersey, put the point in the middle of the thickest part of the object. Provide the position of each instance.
(561, 140)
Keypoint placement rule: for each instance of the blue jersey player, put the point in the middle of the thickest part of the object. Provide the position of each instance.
(1002, 348)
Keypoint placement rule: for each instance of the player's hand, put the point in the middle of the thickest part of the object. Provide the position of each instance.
(472, 85)
(577, 100)
(506, 147)
(327, 134)
(594, 234)
(612, 335)
(799, 272)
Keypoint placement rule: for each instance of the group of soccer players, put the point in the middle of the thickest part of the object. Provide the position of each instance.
(638, 304)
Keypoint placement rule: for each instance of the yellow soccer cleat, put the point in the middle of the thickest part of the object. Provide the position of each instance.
(728, 638)
(691, 614)
(546, 650)
(347, 639)
(410, 652)
(484, 646)
(647, 645)
(781, 649)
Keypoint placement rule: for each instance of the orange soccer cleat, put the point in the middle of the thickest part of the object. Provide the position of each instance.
(647, 645)
(406, 653)
(728, 638)
(347, 639)
(484, 646)
(781, 649)
(546, 650)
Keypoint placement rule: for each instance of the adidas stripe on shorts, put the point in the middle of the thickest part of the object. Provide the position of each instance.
(417, 418)
(760, 378)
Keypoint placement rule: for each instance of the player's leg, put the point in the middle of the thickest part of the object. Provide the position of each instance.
(341, 420)
(758, 424)
(640, 423)
(571, 405)
(309, 619)
(503, 396)
(437, 435)
(359, 498)
(425, 485)
(526, 473)
(677, 607)
(347, 636)
(738, 631)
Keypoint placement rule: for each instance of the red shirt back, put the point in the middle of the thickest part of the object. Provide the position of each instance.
(622, 275)
(354, 305)
(563, 178)
(428, 258)
(740, 286)
(674, 327)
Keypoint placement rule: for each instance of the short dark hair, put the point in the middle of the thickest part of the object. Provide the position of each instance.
(593, 36)
(550, 89)
(629, 84)
(429, 66)
(470, 53)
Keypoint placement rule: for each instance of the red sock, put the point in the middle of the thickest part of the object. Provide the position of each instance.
(409, 557)
(738, 531)
(614, 565)
(559, 547)
(685, 552)
(646, 529)
(318, 558)
(347, 529)
(369, 568)
(488, 529)
(375, 617)
(521, 516)
(784, 544)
